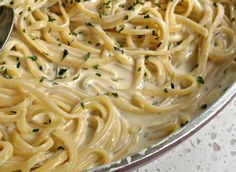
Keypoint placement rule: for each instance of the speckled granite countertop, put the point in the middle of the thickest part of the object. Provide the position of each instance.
(212, 149)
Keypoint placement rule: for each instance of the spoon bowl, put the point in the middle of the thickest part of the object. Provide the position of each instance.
(6, 24)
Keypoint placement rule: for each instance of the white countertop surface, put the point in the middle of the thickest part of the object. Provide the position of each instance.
(211, 149)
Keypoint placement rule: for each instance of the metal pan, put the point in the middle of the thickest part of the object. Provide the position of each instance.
(154, 151)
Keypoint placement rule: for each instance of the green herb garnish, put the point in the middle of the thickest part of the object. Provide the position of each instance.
(98, 74)
(115, 94)
(86, 56)
(204, 106)
(183, 124)
(6, 75)
(34, 58)
(65, 53)
(146, 16)
(126, 17)
(200, 80)
(62, 71)
(95, 66)
(166, 90)
(35, 130)
(60, 148)
(82, 105)
(18, 65)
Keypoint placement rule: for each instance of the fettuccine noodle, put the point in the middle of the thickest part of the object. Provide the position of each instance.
(87, 82)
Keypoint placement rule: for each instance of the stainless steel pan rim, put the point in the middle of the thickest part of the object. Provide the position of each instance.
(155, 150)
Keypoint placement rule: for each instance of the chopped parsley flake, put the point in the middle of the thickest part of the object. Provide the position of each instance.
(62, 71)
(178, 43)
(86, 56)
(82, 105)
(98, 74)
(50, 19)
(60, 148)
(214, 4)
(204, 106)
(34, 58)
(18, 65)
(200, 80)
(13, 112)
(65, 53)
(6, 75)
(166, 90)
(75, 78)
(146, 16)
(158, 45)
(115, 94)
(95, 66)
(126, 17)
(42, 79)
(118, 49)
(146, 57)
(35, 130)
(89, 24)
(183, 124)
(121, 28)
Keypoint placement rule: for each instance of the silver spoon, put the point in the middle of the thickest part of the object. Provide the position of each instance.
(6, 24)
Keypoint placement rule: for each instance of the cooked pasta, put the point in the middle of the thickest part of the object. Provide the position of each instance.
(86, 82)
